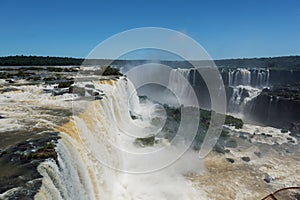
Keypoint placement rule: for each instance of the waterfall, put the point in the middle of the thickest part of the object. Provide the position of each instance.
(248, 77)
(246, 84)
(230, 77)
(97, 148)
(194, 77)
(239, 76)
(179, 84)
(268, 77)
(262, 78)
(240, 97)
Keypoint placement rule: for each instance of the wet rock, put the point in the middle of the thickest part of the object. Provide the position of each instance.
(246, 159)
(90, 86)
(49, 79)
(295, 127)
(93, 92)
(9, 89)
(258, 154)
(284, 130)
(77, 90)
(225, 134)
(146, 141)
(2, 152)
(23, 173)
(268, 135)
(245, 93)
(231, 160)
(65, 84)
(1, 117)
(47, 151)
(243, 136)
(10, 80)
(231, 143)
(296, 135)
(291, 141)
(289, 150)
(219, 148)
(133, 117)
(59, 91)
(98, 97)
(268, 178)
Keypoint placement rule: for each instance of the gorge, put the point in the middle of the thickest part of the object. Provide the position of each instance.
(95, 124)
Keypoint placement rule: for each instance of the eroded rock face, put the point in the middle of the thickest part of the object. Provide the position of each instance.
(277, 106)
(77, 90)
(19, 162)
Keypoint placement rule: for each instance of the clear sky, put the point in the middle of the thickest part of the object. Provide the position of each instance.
(225, 28)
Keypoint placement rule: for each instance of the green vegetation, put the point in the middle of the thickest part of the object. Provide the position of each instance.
(65, 84)
(38, 61)
(232, 121)
(284, 62)
(146, 141)
(47, 151)
(286, 92)
(111, 71)
(173, 120)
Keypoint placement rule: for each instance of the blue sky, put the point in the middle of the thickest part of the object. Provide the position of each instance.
(226, 29)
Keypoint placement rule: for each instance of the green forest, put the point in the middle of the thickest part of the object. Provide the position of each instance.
(291, 62)
(38, 61)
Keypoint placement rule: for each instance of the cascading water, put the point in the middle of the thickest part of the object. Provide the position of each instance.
(240, 97)
(245, 84)
(179, 84)
(95, 146)
(248, 77)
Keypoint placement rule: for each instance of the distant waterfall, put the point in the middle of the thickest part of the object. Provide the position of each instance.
(194, 77)
(262, 78)
(241, 95)
(245, 84)
(181, 82)
(248, 77)
(239, 76)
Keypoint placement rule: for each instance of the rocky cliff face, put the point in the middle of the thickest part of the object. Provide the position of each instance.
(278, 106)
(248, 94)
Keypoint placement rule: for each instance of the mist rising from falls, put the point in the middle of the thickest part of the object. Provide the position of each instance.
(180, 83)
(164, 84)
(97, 157)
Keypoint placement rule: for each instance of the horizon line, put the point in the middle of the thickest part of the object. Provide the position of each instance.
(137, 59)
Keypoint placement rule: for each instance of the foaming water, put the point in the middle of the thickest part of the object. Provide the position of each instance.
(97, 158)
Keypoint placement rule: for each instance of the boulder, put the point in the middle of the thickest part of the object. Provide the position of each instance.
(219, 148)
(231, 143)
(90, 86)
(268, 178)
(77, 90)
(246, 159)
(231, 160)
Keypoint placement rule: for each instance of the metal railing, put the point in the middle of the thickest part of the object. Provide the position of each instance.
(288, 193)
